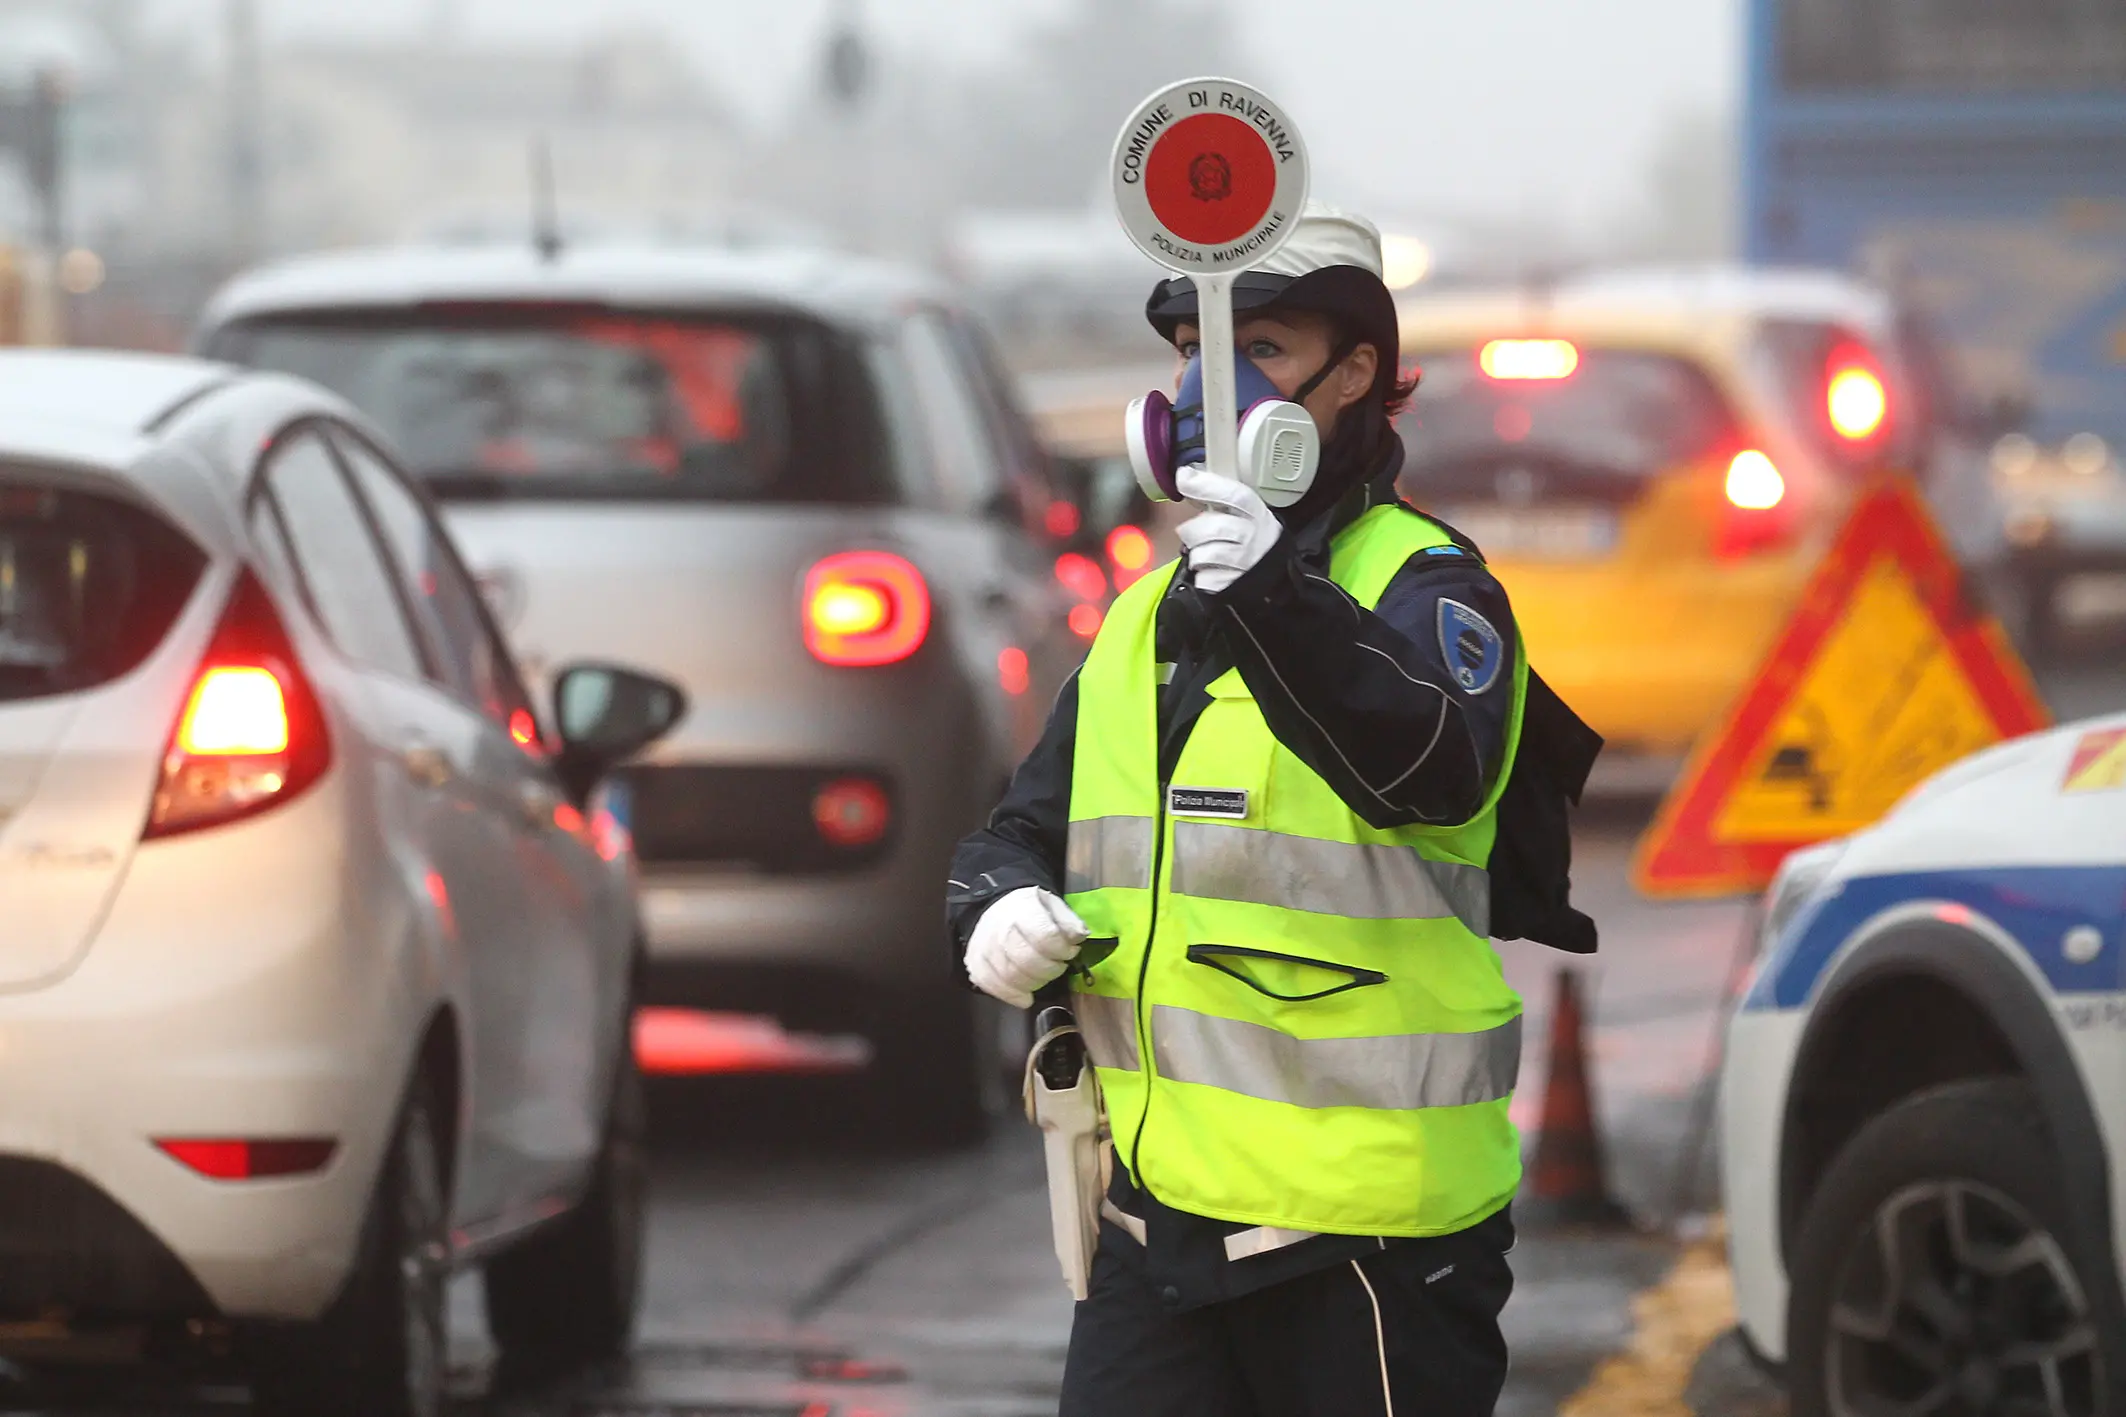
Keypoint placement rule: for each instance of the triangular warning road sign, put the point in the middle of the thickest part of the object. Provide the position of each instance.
(1885, 674)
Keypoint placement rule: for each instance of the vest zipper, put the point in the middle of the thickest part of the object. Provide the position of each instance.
(1144, 970)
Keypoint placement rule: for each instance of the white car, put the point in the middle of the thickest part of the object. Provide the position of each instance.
(315, 967)
(1924, 1097)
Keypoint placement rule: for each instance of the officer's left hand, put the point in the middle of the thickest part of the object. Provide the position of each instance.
(1235, 529)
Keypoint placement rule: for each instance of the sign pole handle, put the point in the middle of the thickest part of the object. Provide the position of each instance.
(1221, 413)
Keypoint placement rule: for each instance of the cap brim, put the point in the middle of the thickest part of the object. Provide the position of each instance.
(1174, 301)
(1351, 295)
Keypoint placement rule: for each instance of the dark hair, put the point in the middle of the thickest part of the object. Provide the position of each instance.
(1367, 428)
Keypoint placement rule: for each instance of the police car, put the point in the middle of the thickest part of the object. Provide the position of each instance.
(1924, 1098)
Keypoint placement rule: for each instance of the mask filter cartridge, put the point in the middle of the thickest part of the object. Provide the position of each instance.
(1280, 448)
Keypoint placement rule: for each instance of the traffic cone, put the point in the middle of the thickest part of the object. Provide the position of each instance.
(1566, 1185)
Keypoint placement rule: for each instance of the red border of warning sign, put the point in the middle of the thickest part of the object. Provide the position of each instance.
(1679, 855)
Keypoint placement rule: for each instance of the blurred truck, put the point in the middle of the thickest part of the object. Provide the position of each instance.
(1973, 157)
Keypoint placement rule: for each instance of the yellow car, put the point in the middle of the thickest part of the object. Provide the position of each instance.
(1653, 464)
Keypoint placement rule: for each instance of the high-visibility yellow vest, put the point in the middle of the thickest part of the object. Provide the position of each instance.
(1303, 1026)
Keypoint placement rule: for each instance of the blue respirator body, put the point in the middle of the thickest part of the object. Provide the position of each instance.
(1280, 448)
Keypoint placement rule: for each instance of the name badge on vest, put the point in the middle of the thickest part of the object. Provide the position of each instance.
(1229, 802)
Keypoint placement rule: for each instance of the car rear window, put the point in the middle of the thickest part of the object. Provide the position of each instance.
(509, 401)
(1620, 412)
(89, 586)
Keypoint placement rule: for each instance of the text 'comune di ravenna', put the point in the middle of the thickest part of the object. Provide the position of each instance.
(1261, 115)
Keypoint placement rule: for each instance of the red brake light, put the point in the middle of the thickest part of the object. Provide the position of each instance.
(1081, 576)
(1014, 672)
(851, 811)
(1130, 551)
(1856, 402)
(1758, 515)
(236, 711)
(1529, 358)
(250, 735)
(864, 608)
(1753, 484)
(239, 1160)
(1085, 620)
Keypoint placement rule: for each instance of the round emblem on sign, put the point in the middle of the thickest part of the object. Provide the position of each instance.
(1209, 175)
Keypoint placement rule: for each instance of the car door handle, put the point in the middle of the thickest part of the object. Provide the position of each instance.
(429, 766)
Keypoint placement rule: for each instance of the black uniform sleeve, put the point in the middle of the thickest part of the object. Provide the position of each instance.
(1024, 842)
(1401, 709)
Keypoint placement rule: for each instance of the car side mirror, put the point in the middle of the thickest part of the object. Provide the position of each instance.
(605, 714)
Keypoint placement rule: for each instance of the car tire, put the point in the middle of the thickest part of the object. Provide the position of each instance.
(383, 1348)
(1937, 1258)
(568, 1295)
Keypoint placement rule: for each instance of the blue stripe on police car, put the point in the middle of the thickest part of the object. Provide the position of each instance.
(2067, 919)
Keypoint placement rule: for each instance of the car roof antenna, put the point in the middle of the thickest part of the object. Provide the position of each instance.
(546, 216)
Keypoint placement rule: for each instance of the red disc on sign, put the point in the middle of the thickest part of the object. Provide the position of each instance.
(1210, 178)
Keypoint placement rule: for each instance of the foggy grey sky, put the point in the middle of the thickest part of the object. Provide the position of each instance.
(1543, 109)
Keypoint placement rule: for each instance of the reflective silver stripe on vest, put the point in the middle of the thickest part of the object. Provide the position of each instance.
(1109, 1027)
(1245, 1244)
(1396, 1072)
(1359, 882)
(1108, 851)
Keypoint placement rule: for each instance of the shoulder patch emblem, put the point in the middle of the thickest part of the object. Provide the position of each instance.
(1473, 650)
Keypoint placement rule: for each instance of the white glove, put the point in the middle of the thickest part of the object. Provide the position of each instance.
(1024, 940)
(1235, 529)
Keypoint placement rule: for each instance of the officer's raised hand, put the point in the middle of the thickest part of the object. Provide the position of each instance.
(1235, 529)
(1023, 941)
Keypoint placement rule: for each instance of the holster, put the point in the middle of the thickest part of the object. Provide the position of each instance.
(1062, 1095)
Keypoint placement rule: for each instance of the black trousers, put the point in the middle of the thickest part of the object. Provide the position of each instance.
(1403, 1332)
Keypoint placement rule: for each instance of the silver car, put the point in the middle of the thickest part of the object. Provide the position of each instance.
(799, 486)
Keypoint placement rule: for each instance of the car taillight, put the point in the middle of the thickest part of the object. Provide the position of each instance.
(1753, 484)
(1084, 620)
(250, 735)
(1014, 670)
(1855, 400)
(1081, 576)
(1529, 358)
(852, 812)
(865, 608)
(236, 711)
(1758, 516)
(1129, 551)
(233, 1159)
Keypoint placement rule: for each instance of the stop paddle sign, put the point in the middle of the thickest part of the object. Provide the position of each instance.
(1209, 176)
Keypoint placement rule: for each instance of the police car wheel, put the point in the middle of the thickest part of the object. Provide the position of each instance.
(1933, 1271)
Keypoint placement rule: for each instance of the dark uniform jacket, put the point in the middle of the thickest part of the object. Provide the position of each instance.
(1371, 701)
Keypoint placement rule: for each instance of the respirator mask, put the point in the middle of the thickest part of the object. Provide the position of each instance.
(1280, 448)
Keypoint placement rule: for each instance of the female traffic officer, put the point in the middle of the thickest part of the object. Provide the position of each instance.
(1264, 827)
